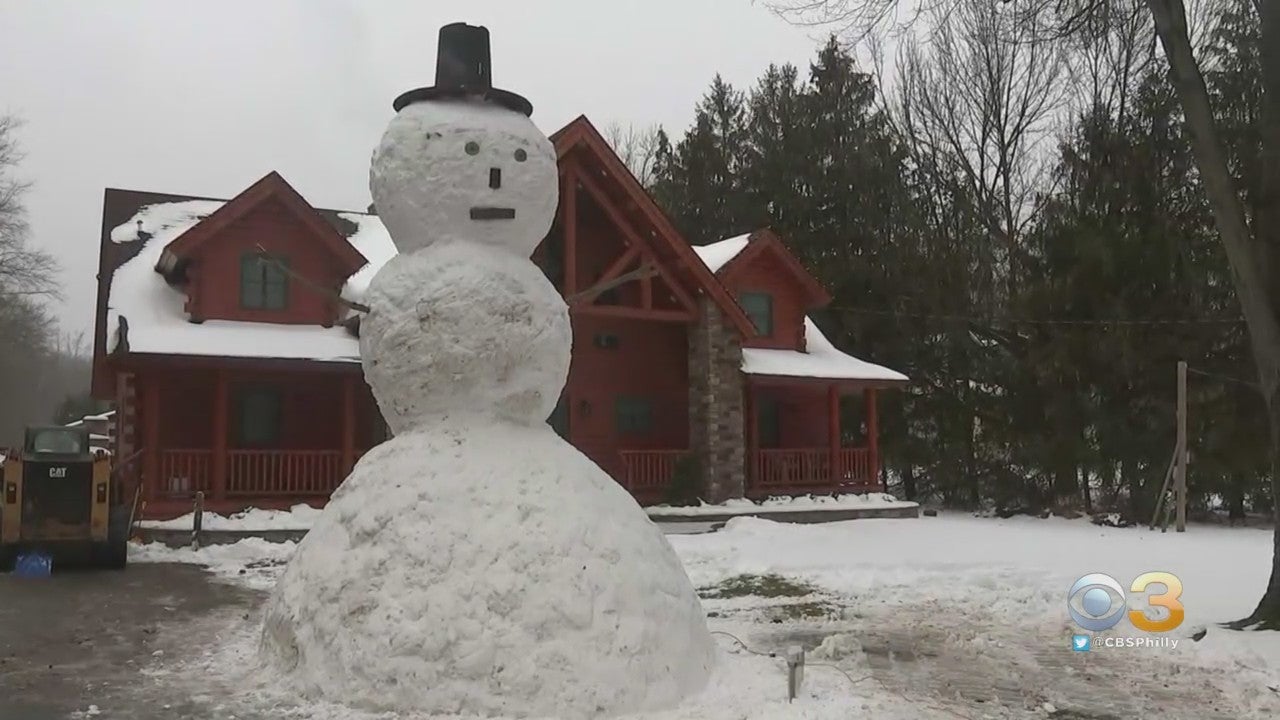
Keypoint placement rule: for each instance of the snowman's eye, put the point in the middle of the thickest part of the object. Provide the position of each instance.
(472, 148)
(521, 155)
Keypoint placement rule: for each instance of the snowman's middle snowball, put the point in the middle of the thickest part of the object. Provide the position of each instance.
(462, 327)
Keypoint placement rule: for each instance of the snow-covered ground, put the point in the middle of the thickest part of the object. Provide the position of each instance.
(801, 503)
(944, 617)
(301, 517)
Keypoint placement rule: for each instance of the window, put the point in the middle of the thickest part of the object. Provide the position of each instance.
(768, 428)
(759, 307)
(633, 416)
(259, 414)
(263, 284)
(606, 341)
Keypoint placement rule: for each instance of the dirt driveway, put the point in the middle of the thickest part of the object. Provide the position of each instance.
(75, 645)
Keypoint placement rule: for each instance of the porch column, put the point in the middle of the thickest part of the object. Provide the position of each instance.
(873, 439)
(348, 425)
(218, 483)
(151, 437)
(833, 433)
(753, 433)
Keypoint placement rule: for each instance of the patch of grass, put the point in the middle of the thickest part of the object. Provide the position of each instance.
(803, 611)
(769, 586)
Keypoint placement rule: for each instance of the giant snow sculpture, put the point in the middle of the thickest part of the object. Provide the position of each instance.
(477, 563)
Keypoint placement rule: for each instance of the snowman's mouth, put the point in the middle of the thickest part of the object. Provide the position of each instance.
(493, 213)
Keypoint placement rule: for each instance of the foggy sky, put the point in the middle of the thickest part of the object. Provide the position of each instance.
(203, 98)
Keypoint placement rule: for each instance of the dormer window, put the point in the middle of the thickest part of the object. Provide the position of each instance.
(759, 307)
(263, 283)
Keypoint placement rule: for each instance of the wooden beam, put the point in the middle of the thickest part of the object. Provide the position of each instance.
(833, 433)
(1180, 470)
(646, 293)
(569, 192)
(587, 296)
(619, 265)
(348, 424)
(873, 437)
(619, 221)
(630, 312)
(218, 483)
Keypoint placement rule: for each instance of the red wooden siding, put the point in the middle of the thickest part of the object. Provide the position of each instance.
(648, 362)
(215, 291)
(760, 274)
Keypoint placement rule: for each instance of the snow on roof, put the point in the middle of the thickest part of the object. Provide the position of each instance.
(159, 324)
(374, 242)
(718, 254)
(104, 416)
(822, 360)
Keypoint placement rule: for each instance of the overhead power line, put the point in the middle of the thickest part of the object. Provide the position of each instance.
(1009, 320)
(1219, 376)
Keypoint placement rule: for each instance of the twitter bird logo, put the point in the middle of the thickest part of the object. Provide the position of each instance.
(1081, 643)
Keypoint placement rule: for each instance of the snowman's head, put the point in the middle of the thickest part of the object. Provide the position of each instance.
(465, 170)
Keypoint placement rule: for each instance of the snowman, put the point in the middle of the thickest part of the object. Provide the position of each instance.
(476, 563)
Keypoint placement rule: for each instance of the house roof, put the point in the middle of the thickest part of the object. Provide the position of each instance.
(820, 358)
(138, 228)
(155, 321)
(270, 186)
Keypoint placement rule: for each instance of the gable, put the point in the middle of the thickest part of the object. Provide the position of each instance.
(286, 201)
(227, 278)
(765, 258)
(768, 281)
(586, 157)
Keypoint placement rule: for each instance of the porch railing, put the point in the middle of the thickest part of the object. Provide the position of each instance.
(256, 473)
(283, 472)
(809, 469)
(183, 472)
(649, 472)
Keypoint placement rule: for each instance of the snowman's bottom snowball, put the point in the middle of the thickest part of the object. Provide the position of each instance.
(488, 570)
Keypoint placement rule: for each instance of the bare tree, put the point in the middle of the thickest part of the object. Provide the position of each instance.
(31, 384)
(1251, 249)
(980, 100)
(23, 270)
(637, 146)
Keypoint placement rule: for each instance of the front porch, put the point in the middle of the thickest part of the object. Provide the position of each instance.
(249, 437)
(800, 438)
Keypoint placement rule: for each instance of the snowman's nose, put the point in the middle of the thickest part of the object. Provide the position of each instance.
(495, 178)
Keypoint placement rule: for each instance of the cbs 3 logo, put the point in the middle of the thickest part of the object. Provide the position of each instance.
(1103, 602)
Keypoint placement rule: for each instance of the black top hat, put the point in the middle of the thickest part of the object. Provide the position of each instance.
(463, 70)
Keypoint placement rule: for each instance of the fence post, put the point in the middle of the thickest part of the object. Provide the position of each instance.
(197, 522)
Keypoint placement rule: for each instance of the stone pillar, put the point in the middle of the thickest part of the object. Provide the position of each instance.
(716, 403)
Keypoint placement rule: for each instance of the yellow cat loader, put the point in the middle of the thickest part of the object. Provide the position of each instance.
(56, 499)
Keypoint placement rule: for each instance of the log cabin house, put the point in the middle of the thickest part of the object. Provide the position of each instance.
(235, 378)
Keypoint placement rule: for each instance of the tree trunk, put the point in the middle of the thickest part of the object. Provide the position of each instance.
(1250, 257)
